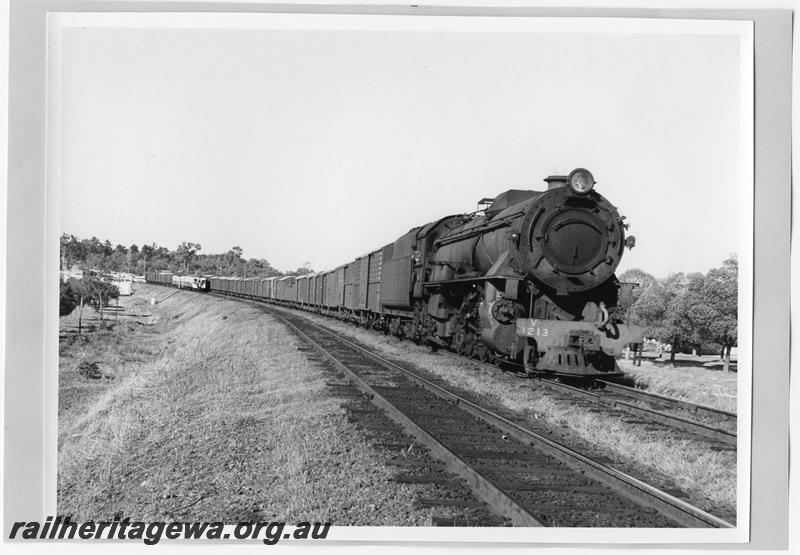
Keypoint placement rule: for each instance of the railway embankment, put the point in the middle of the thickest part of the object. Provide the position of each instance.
(200, 408)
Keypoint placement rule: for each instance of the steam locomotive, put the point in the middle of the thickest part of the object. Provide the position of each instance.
(528, 278)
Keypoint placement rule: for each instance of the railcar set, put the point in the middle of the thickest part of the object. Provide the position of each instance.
(529, 278)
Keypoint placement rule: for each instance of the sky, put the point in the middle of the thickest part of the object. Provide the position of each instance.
(319, 146)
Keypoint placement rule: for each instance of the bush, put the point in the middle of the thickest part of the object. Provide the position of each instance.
(68, 299)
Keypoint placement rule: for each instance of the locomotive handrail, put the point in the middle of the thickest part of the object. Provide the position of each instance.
(474, 232)
(470, 279)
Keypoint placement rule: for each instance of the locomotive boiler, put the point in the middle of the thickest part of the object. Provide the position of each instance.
(532, 278)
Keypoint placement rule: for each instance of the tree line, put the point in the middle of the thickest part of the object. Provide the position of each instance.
(688, 310)
(185, 259)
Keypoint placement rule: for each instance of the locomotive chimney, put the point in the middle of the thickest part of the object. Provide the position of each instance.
(555, 181)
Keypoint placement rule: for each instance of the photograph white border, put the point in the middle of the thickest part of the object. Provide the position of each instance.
(743, 29)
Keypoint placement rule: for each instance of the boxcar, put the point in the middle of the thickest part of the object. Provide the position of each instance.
(329, 289)
(163, 278)
(396, 271)
(350, 284)
(301, 284)
(236, 285)
(286, 289)
(271, 290)
(215, 283)
(370, 296)
(250, 287)
(316, 292)
(280, 287)
(338, 287)
(318, 285)
(312, 278)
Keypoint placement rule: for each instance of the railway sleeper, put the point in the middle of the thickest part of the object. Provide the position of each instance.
(415, 463)
(517, 485)
(427, 503)
(394, 446)
(441, 479)
(465, 522)
(373, 427)
(548, 510)
(359, 410)
(445, 433)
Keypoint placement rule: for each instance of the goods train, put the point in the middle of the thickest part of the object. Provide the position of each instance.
(529, 278)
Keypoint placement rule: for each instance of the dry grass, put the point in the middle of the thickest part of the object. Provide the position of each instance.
(692, 383)
(692, 466)
(223, 420)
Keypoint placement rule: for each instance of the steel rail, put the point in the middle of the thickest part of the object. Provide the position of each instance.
(642, 493)
(673, 420)
(686, 405)
(481, 486)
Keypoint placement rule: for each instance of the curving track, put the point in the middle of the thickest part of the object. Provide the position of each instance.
(522, 475)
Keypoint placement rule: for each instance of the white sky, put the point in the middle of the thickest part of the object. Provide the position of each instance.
(320, 146)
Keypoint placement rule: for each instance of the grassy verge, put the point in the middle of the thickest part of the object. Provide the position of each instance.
(692, 383)
(207, 411)
(691, 466)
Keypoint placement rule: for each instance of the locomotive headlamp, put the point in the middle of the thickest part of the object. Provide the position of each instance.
(580, 181)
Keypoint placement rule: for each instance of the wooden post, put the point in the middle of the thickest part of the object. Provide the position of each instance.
(80, 316)
(672, 352)
(116, 303)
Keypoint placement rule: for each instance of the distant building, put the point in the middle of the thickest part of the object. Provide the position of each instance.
(73, 272)
(125, 287)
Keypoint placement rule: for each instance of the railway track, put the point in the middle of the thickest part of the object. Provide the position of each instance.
(716, 423)
(522, 475)
(698, 420)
